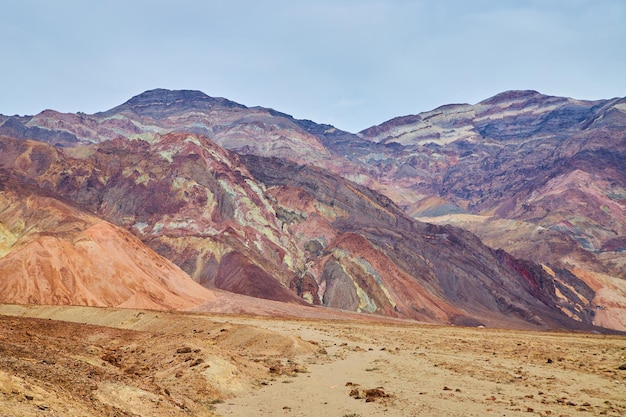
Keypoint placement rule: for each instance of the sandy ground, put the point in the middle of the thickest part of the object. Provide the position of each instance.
(74, 361)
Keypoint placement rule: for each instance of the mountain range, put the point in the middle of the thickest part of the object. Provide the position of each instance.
(508, 213)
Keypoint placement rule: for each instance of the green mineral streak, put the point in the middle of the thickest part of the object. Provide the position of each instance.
(191, 139)
(181, 183)
(149, 137)
(157, 227)
(368, 269)
(328, 212)
(617, 194)
(261, 194)
(365, 302)
(247, 213)
(7, 240)
(142, 179)
(167, 155)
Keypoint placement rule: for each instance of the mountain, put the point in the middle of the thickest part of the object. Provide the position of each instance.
(292, 210)
(272, 229)
(53, 253)
(542, 177)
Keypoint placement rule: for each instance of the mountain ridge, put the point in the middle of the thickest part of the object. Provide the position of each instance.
(507, 158)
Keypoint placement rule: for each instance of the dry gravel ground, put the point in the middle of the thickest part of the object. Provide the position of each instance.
(77, 361)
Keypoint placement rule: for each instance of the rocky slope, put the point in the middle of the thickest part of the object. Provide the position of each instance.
(555, 162)
(272, 229)
(364, 253)
(53, 253)
(542, 178)
(184, 196)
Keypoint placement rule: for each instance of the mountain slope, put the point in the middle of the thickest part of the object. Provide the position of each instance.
(365, 253)
(542, 177)
(202, 208)
(53, 253)
(185, 197)
(545, 174)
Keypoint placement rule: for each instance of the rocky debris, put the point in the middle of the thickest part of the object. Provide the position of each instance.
(196, 362)
(110, 372)
(112, 357)
(369, 395)
(158, 382)
(289, 368)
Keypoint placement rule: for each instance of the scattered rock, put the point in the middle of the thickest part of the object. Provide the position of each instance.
(185, 349)
(549, 360)
(112, 358)
(288, 369)
(447, 389)
(356, 393)
(622, 367)
(370, 395)
(28, 397)
(197, 362)
(275, 369)
(375, 394)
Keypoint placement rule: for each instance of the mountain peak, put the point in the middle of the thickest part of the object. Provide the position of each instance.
(513, 95)
(160, 102)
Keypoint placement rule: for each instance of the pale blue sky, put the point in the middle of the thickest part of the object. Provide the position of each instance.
(349, 63)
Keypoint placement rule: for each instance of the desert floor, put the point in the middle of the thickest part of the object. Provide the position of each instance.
(78, 361)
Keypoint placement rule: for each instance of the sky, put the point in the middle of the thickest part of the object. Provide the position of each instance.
(349, 63)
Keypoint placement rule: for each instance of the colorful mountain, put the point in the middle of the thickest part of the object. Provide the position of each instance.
(253, 201)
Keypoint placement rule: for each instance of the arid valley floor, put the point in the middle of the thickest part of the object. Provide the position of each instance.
(77, 361)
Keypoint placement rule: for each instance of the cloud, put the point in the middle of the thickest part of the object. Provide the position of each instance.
(352, 63)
